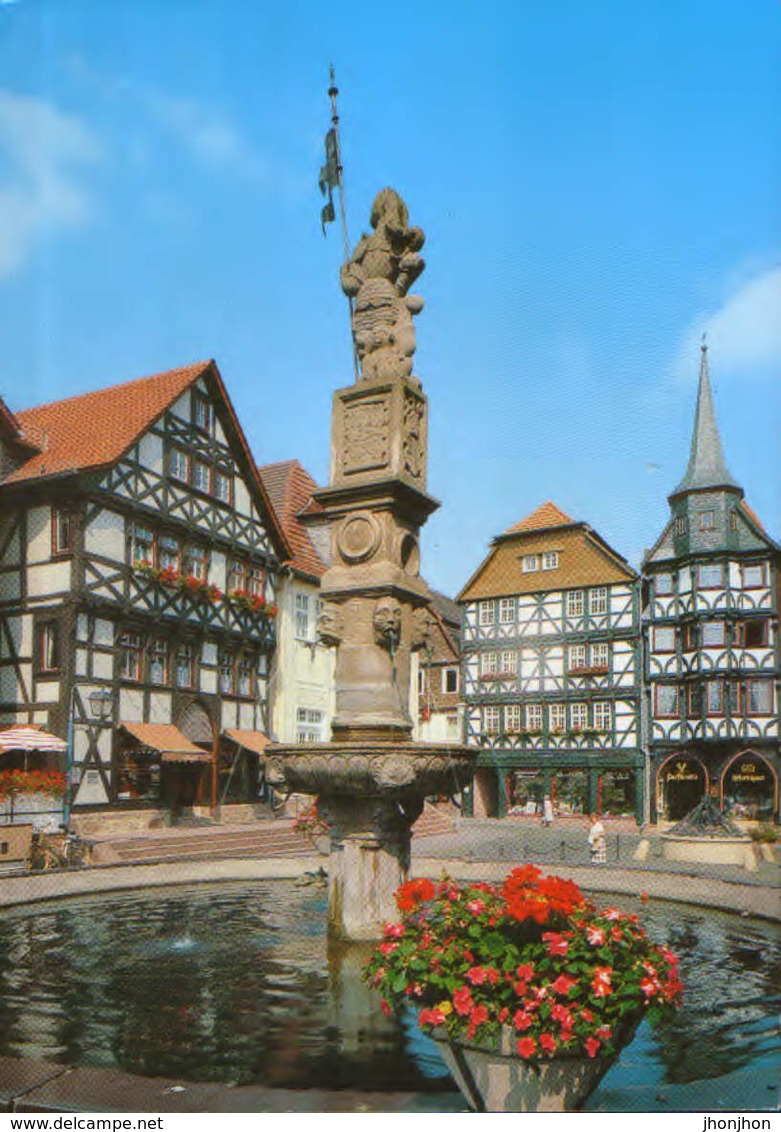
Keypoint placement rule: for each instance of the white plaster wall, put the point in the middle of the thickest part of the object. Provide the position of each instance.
(104, 632)
(102, 665)
(10, 587)
(12, 552)
(81, 662)
(247, 716)
(150, 452)
(209, 653)
(10, 687)
(51, 578)
(39, 534)
(90, 791)
(208, 678)
(229, 714)
(131, 705)
(218, 570)
(181, 407)
(105, 535)
(160, 707)
(241, 498)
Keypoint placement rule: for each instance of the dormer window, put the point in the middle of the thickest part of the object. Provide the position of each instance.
(550, 560)
(707, 520)
(530, 563)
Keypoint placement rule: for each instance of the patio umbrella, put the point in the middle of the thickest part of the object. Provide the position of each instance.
(27, 739)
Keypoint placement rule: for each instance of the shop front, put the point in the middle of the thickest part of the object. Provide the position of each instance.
(749, 788)
(681, 782)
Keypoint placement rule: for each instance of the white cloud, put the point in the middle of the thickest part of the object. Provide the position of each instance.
(743, 334)
(43, 153)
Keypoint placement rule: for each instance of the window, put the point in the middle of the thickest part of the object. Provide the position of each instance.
(202, 412)
(158, 662)
(557, 717)
(758, 697)
(550, 560)
(753, 575)
(488, 663)
(168, 553)
(663, 585)
(534, 717)
(603, 715)
(491, 720)
(179, 465)
(733, 520)
(666, 700)
(709, 575)
(506, 610)
(142, 545)
(49, 647)
(509, 662)
(707, 520)
(223, 487)
(309, 725)
(680, 524)
(256, 581)
(512, 717)
(62, 532)
(129, 649)
(450, 680)
(244, 674)
(713, 633)
(302, 617)
(714, 697)
(664, 638)
(599, 655)
(576, 657)
(487, 613)
(194, 562)
(202, 476)
(185, 666)
(530, 563)
(751, 634)
(598, 600)
(574, 603)
(226, 666)
(689, 636)
(578, 716)
(236, 576)
(694, 701)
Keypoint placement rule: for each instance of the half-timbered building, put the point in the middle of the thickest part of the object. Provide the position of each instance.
(551, 672)
(302, 682)
(440, 712)
(712, 630)
(139, 559)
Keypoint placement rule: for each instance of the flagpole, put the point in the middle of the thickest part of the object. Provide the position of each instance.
(333, 93)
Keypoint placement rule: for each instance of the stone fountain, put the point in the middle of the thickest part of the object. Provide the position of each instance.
(371, 778)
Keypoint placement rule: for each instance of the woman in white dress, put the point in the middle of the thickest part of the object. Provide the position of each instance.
(597, 841)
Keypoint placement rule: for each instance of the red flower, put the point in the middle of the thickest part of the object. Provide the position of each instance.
(393, 931)
(433, 1017)
(564, 984)
(476, 907)
(649, 987)
(385, 1008)
(522, 1020)
(526, 1047)
(478, 1016)
(557, 944)
(503, 1014)
(604, 1033)
(595, 936)
(547, 1042)
(601, 982)
(525, 971)
(388, 948)
(462, 1000)
(414, 892)
(477, 976)
(592, 1046)
(643, 897)
(586, 1015)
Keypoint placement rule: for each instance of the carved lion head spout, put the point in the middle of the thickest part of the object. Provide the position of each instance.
(329, 624)
(386, 620)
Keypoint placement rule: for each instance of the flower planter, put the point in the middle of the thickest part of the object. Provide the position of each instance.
(498, 1080)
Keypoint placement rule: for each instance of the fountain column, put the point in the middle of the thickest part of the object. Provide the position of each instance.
(371, 779)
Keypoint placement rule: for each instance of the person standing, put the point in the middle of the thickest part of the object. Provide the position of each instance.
(547, 811)
(597, 841)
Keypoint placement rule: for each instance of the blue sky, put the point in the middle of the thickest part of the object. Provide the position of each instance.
(598, 184)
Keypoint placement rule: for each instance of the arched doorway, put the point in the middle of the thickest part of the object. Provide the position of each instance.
(190, 783)
(749, 787)
(681, 783)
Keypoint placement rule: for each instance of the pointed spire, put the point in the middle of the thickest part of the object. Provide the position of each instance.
(707, 468)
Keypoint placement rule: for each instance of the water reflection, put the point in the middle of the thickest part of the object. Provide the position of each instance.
(240, 985)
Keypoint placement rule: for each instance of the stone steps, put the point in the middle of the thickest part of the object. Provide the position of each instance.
(211, 844)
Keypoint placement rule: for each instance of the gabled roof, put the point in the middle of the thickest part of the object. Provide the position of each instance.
(546, 515)
(289, 488)
(95, 429)
(585, 559)
(12, 431)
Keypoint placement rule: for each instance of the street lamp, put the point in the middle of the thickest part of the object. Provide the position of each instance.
(100, 704)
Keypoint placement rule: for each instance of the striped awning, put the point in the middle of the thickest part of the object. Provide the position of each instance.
(254, 741)
(21, 737)
(168, 740)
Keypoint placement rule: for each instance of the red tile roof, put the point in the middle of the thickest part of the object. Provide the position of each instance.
(94, 430)
(289, 488)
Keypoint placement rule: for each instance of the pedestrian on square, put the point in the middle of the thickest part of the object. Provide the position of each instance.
(597, 841)
(547, 811)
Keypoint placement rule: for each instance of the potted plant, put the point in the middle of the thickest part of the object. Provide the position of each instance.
(530, 990)
(14, 783)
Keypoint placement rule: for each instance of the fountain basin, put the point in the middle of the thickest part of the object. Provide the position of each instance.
(709, 850)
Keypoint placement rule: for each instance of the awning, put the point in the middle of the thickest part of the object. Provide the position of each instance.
(251, 740)
(173, 746)
(26, 738)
